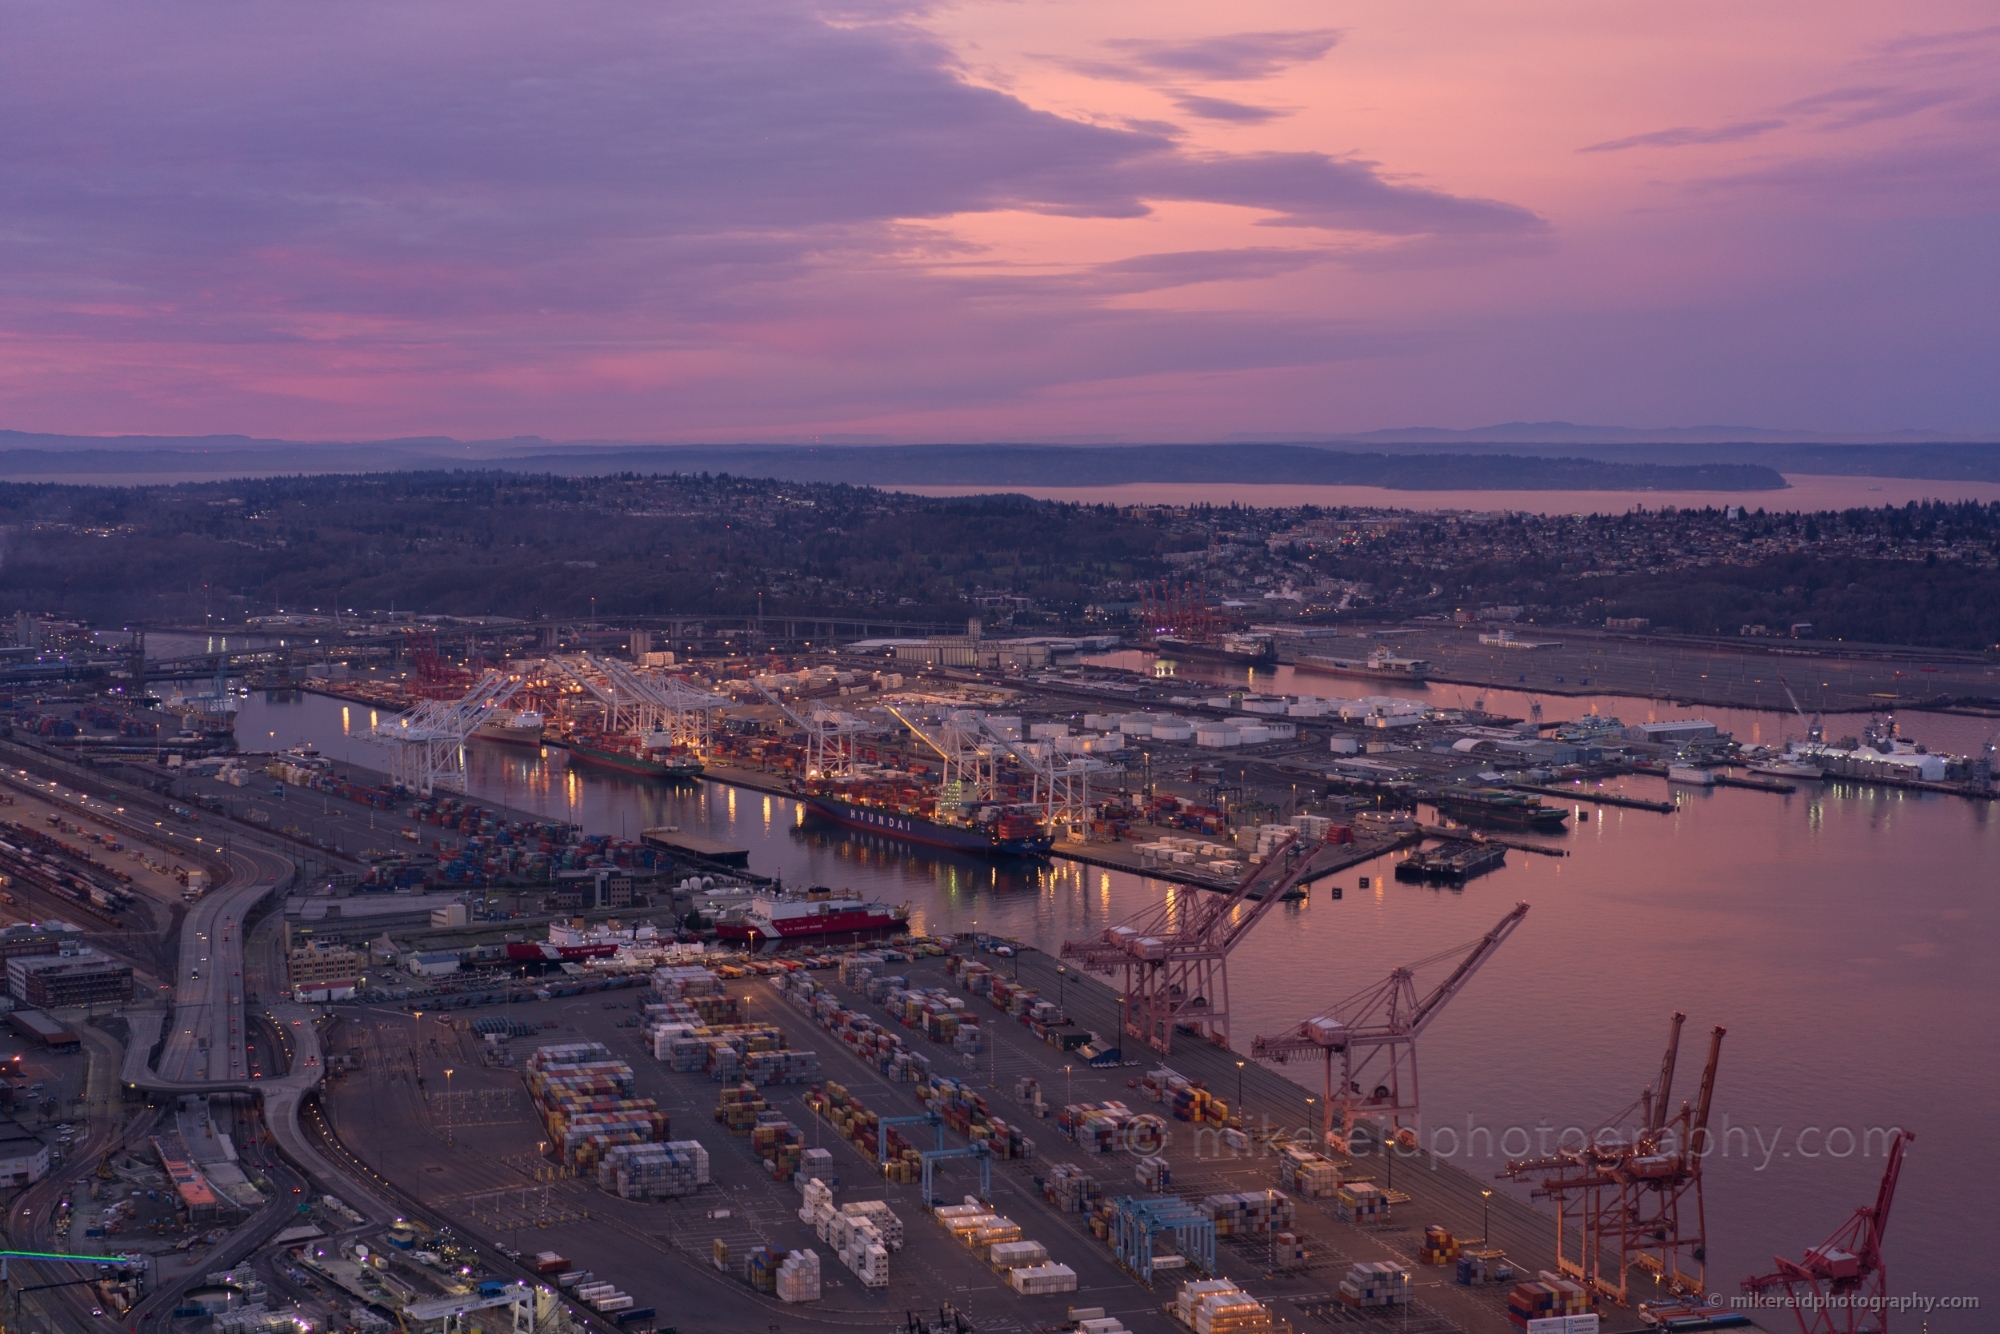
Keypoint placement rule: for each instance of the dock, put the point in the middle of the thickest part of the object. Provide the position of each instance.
(1119, 856)
(695, 846)
(1597, 798)
(1778, 785)
(1519, 844)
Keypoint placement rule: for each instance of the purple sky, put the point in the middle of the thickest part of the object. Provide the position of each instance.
(1087, 219)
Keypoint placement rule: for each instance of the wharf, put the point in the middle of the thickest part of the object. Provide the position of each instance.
(1126, 857)
(1598, 798)
(1519, 844)
(695, 846)
(1110, 855)
(1777, 785)
(1275, 1110)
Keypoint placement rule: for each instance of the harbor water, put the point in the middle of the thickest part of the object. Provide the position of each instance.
(1845, 936)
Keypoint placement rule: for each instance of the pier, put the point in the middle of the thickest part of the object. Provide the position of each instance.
(1598, 798)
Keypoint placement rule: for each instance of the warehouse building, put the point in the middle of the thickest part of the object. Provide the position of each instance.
(68, 979)
(24, 1157)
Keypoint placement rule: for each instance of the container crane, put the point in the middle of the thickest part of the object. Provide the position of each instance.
(427, 745)
(667, 705)
(1625, 1195)
(1175, 956)
(829, 736)
(1062, 785)
(966, 763)
(1167, 610)
(435, 678)
(1841, 1285)
(1370, 1039)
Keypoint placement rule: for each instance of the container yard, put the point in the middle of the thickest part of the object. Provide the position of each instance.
(1003, 1173)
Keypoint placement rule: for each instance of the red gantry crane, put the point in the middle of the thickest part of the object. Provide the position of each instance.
(1175, 956)
(1841, 1285)
(1625, 1195)
(1183, 611)
(1370, 1039)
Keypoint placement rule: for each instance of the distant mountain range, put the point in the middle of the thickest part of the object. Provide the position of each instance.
(1516, 456)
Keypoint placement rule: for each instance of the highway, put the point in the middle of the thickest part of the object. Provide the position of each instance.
(207, 1047)
(207, 1041)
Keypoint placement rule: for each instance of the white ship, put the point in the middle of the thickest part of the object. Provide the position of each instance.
(521, 727)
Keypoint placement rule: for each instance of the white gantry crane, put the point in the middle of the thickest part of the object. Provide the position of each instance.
(427, 745)
(665, 705)
(829, 735)
(967, 762)
(1369, 1040)
(1061, 782)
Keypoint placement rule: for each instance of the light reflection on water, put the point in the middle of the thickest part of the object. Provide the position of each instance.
(1844, 935)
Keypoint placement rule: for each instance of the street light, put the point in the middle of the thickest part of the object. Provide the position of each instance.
(1239, 1090)
(1486, 1218)
(447, 1107)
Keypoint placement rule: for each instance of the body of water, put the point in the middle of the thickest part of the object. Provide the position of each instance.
(1805, 494)
(1845, 936)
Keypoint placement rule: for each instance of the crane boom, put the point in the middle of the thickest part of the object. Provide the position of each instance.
(1470, 964)
(1630, 1198)
(1841, 1285)
(1661, 1095)
(1367, 1041)
(1174, 956)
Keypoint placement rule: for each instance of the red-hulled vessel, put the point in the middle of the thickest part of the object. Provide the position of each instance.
(541, 951)
(816, 913)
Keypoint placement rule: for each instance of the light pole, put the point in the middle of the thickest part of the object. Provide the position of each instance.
(1067, 1099)
(1239, 1090)
(447, 1107)
(1310, 1123)
(1486, 1218)
(1062, 987)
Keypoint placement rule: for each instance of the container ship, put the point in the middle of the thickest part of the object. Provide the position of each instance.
(989, 829)
(633, 758)
(520, 728)
(1377, 666)
(1495, 808)
(768, 918)
(1237, 650)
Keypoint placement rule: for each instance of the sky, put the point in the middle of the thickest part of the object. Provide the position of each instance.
(998, 219)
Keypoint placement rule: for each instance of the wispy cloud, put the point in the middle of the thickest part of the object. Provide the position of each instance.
(1222, 109)
(1683, 135)
(1231, 58)
(1853, 106)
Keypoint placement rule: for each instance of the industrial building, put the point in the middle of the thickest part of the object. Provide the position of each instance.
(324, 970)
(430, 965)
(68, 979)
(52, 1035)
(24, 1157)
(1677, 732)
